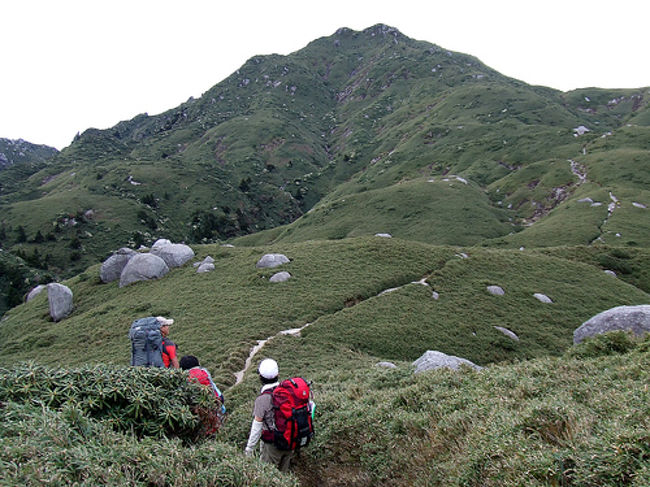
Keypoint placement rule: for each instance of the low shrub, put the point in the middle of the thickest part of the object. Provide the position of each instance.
(615, 342)
(146, 401)
(43, 446)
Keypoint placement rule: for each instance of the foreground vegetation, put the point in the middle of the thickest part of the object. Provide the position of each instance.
(581, 419)
(540, 413)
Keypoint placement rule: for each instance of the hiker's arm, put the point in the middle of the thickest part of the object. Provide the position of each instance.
(254, 436)
(175, 363)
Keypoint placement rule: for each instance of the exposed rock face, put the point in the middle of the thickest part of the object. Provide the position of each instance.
(174, 255)
(143, 267)
(35, 292)
(508, 333)
(629, 318)
(280, 277)
(435, 360)
(496, 290)
(112, 267)
(271, 260)
(60, 301)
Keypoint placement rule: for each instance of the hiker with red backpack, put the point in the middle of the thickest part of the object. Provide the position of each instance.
(282, 417)
(212, 419)
(202, 376)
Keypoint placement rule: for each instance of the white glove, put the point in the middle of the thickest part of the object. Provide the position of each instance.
(253, 437)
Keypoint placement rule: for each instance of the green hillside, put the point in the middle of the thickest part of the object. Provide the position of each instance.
(443, 211)
(349, 114)
(540, 413)
(480, 180)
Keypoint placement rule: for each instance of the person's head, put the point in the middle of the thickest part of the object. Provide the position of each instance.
(188, 362)
(268, 370)
(165, 323)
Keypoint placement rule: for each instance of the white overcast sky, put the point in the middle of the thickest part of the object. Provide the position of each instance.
(68, 65)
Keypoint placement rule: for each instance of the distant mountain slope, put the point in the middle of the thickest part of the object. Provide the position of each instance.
(19, 151)
(352, 117)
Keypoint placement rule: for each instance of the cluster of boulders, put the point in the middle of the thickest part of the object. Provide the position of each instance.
(206, 265)
(130, 266)
(274, 260)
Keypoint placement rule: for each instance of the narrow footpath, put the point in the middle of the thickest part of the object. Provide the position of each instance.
(239, 376)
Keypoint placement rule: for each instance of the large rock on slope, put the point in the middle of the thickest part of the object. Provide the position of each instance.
(143, 267)
(629, 318)
(59, 298)
(113, 266)
(35, 292)
(434, 360)
(174, 255)
(271, 260)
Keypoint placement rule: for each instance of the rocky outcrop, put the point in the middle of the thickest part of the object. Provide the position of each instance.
(206, 265)
(143, 267)
(174, 255)
(161, 242)
(635, 319)
(60, 301)
(435, 360)
(113, 266)
(271, 260)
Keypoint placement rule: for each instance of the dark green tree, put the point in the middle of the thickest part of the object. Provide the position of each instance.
(21, 236)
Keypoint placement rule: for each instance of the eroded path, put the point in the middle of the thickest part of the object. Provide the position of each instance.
(239, 376)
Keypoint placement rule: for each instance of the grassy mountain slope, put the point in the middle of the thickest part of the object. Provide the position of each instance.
(570, 420)
(446, 211)
(221, 315)
(352, 113)
(310, 155)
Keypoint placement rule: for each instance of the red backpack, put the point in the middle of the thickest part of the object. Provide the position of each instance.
(292, 412)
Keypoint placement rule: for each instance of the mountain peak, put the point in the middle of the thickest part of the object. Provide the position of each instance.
(376, 30)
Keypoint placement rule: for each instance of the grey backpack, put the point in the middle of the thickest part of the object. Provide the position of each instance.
(146, 343)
